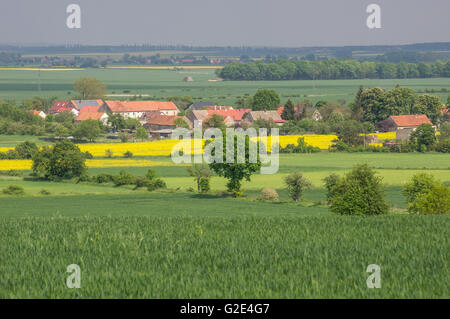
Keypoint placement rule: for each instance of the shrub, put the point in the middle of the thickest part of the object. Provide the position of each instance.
(44, 192)
(11, 172)
(14, 190)
(301, 147)
(128, 154)
(434, 201)
(203, 184)
(296, 184)
(269, 194)
(420, 183)
(141, 182)
(124, 178)
(330, 184)
(151, 174)
(443, 146)
(104, 178)
(26, 150)
(359, 192)
(88, 155)
(156, 184)
(109, 153)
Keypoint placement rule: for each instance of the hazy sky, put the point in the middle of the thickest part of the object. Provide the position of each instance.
(225, 22)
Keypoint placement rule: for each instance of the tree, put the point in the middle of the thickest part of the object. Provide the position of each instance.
(26, 150)
(89, 129)
(296, 184)
(181, 123)
(423, 138)
(359, 192)
(64, 160)
(429, 105)
(201, 174)
(216, 121)
(61, 131)
(141, 133)
(425, 195)
(235, 172)
(350, 132)
(288, 111)
(265, 99)
(116, 121)
(90, 88)
(369, 100)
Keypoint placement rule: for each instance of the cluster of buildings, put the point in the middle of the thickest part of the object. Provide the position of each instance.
(160, 118)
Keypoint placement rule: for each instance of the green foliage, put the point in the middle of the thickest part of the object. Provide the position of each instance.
(116, 121)
(301, 147)
(423, 138)
(44, 192)
(214, 120)
(421, 194)
(443, 145)
(63, 160)
(26, 150)
(124, 178)
(128, 154)
(14, 190)
(349, 132)
(235, 172)
(331, 182)
(434, 201)
(201, 174)
(89, 129)
(296, 184)
(359, 192)
(155, 184)
(265, 99)
(109, 153)
(288, 113)
(141, 133)
(89, 88)
(104, 178)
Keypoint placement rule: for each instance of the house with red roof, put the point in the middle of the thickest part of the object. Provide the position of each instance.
(63, 106)
(404, 125)
(253, 116)
(89, 112)
(231, 116)
(136, 109)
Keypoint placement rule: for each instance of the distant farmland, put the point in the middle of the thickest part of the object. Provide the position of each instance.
(162, 84)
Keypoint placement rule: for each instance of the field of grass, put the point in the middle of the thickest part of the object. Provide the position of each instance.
(225, 257)
(161, 84)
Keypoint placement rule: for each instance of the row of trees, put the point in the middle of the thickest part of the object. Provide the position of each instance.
(284, 69)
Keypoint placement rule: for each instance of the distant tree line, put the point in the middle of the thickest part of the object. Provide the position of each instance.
(333, 69)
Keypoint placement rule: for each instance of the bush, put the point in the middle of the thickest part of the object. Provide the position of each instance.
(64, 160)
(14, 190)
(88, 155)
(11, 172)
(435, 201)
(124, 178)
(109, 153)
(26, 150)
(128, 154)
(296, 184)
(330, 184)
(443, 146)
(204, 184)
(425, 195)
(269, 194)
(44, 192)
(301, 147)
(103, 178)
(359, 192)
(156, 184)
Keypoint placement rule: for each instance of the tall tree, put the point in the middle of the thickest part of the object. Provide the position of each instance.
(288, 111)
(265, 99)
(90, 88)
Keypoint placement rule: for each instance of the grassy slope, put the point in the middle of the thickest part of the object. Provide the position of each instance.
(163, 84)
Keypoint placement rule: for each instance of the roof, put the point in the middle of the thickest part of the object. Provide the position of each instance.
(235, 114)
(79, 104)
(61, 106)
(139, 106)
(83, 116)
(410, 120)
(266, 115)
(35, 112)
(200, 105)
(163, 120)
(90, 109)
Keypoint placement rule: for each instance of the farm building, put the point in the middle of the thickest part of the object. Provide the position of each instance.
(97, 116)
(404, 125)
(310, 112)
(136, 109)
(231, 116)
(199, 106)
(159, 125)
(253, 116)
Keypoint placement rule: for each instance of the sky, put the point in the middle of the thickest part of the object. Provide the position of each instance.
(290, 23)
